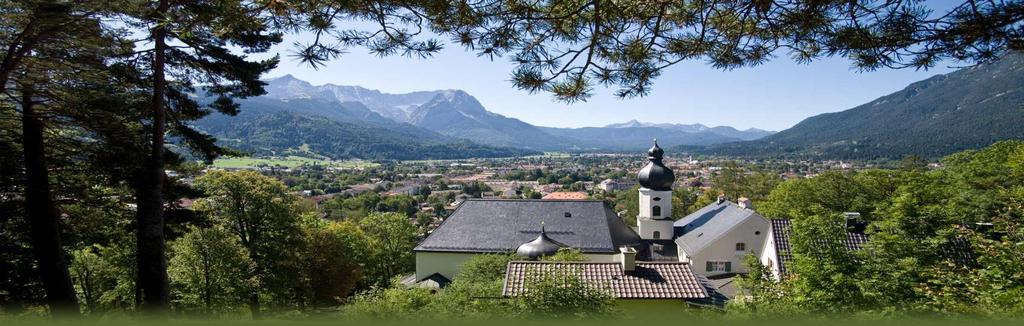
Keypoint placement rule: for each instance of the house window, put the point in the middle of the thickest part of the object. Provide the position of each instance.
(719, 266)
(741, 246)
(657, 234)
(656, 211)
(660, 249)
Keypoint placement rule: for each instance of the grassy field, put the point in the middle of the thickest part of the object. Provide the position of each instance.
(287, 162)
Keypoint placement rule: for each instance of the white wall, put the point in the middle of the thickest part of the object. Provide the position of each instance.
(646, 222)
(445, 263)
(603, 258)
(724, 248)
(768, 257)
(647, 202)
(646, 228)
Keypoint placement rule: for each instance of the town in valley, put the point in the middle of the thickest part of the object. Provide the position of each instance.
(544, 161)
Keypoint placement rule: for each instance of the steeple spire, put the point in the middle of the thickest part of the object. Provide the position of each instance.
(656, 176)
(655, 153)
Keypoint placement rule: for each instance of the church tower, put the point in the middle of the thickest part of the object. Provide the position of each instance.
(655, 218)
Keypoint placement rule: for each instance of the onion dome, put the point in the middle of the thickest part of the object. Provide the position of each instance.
(656, 176)
(541, 246)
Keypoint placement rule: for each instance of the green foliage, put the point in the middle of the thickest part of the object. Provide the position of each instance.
(210, 271)
(684, 202)
(91, 277)
(734, 182)
(104, 278)
(335, 254)
(561, 293)
(391, 304)
(391, 239)
(946, 241)
(567, 254)
(476, 294)
(484, 268)
(831, 192)
(261, 213)
(759, 293)
(827, 281)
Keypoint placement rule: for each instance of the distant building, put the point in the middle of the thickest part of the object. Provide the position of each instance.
(609, 185)
(548, 188)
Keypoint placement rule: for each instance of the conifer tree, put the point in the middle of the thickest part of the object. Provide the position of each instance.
(568, 47)
(188, 45)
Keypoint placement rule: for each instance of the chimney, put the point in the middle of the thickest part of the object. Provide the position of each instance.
(721, 199)
(745, 202)
(854, 223)
(627, 257)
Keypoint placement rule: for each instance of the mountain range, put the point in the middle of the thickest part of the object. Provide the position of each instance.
(369, 124)
(967, 109)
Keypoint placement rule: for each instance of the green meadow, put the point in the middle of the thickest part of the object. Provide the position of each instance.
(288, 162)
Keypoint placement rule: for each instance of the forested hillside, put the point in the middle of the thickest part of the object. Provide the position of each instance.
(339, 130)
(273, 133)
(967, 109)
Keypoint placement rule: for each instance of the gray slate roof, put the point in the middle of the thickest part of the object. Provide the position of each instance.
(784, 252)
(648, 281)
(701, 228)
(956, 249)
(501, 225)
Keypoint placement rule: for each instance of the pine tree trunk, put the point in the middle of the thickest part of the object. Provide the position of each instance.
(43, 215)
(254, 304)
(151, 258)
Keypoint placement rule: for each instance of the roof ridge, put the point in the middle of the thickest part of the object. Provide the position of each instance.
(420, 244)
(562, 262)
(534, 200)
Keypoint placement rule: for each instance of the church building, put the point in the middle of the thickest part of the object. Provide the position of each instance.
(537, 228)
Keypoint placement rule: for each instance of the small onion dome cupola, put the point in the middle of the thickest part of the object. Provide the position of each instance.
(539, 247)
(656, 176)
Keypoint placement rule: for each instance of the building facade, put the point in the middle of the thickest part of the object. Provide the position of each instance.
(710, 241)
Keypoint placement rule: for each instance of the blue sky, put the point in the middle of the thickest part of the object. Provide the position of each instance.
(773, 96)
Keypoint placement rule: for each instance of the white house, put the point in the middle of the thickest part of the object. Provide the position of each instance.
(716, 239)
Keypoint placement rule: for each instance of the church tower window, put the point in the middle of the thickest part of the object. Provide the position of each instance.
(656, 211)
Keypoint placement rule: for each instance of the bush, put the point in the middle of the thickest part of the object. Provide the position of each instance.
(563, 294)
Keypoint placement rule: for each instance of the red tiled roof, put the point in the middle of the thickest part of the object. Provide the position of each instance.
(575, 195)
(650, 280)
